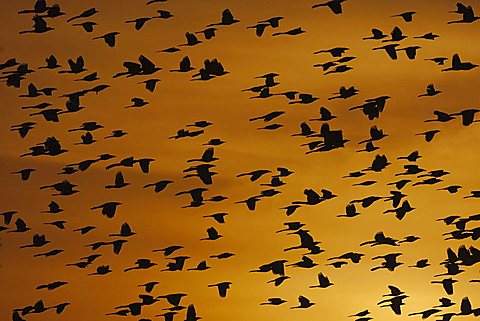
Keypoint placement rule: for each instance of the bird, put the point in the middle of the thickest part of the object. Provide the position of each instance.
(142, 264)
(212, 234)
(390, 50)
(85, 14)
(350, 211)
(430, 91)
(227, 19)
(208, 33)
(88, 26)
(458, 65)
(377, 34)
(102, 270)
(406, 16)
(108, 209)
(51, 286)
(185, 65)
(39, 26)
(323, 282)
(218, 217)
(274, 301)
(222, 288)
(125, 231)
(25, 173)
(468, 15)
(109, 38)
(334, 5)
(291, 32)
(468, 116)
(428, 36)
(429, 135)
(304, 303)
(159, 186)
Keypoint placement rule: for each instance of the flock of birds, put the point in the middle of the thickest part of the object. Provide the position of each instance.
(458, 259)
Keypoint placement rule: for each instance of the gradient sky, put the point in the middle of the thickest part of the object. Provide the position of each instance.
(160, 220)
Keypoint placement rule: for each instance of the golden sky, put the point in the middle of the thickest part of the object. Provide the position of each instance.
(159, 219)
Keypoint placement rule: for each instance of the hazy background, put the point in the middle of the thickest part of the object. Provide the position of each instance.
(159, 219)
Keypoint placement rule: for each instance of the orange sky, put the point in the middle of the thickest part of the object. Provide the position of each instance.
(160, 220)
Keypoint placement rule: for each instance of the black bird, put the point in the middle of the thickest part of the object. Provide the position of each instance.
(345, 93)
(429, 135)
(142, 264)
(89, 77)
(202, 266)
(350, 211)
(412, 157)
(76, 66)
(221, 256)
(268, 117)
(431, 91)
(458, 65)
(334, 5)
(219, 217)
(390, 262)
(291, 32)
(428, 36)
(227, 19)
(125, 231)
(149, 286)
(51, 63)
(208, 33)
(397, 35)
(150, 84)
(407, 16)
(222, 288)
(410, 51)
(23, 128)
(116, 134)
(20, 226)
(192, 40)
(191, 314)
(39, 26)
(394, 303)
(377, 34)
(40, 6)
(447, 284)
(87, 13)
(25, 173)
(51, 286)
(468, 116)
(108, 209)
(169, 249)
(255, 175)
(102, 270)
(159, 186)
(259, 28)
(184, 65)
(381, 239)
(212, 234)
(438, 60)
(354, 257)
(323, 282)
(304, 303)
(38, 241)
(335, 52)
(468, 16)
(421, 264)
(87, 25)
(273, 301)
(7, 216)
(390, 49)
(139, 22)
